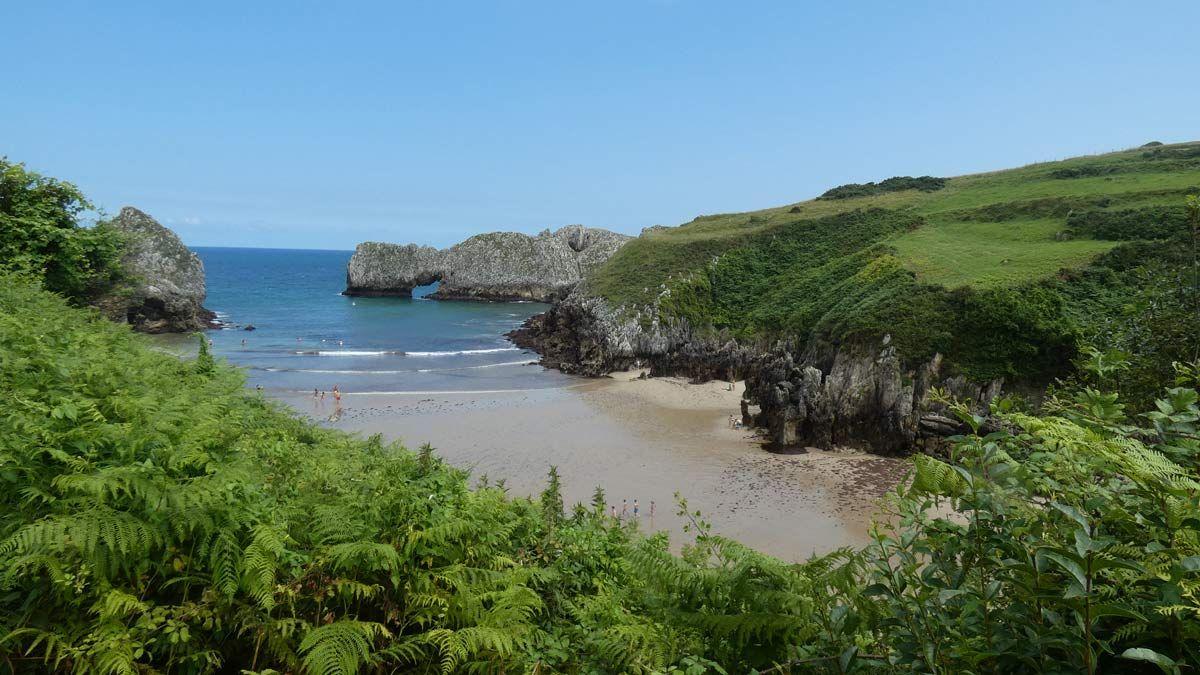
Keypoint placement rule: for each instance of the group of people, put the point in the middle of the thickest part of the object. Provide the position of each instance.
(637, 510)
(319, 398)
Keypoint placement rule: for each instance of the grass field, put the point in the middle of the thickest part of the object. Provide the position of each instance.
(988, 255)
(815, 267)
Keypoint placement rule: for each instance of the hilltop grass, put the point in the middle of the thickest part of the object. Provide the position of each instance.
(981, 255)
(992, 255)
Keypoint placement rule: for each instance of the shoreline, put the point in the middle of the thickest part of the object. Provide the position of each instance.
(643, 439)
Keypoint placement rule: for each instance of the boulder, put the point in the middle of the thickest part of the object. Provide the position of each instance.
(163, 289)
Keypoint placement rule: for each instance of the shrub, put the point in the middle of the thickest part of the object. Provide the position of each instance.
(894, 184)
(40, 235)
(1152, 222)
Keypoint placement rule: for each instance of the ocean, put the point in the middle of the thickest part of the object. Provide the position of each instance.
(308, 336)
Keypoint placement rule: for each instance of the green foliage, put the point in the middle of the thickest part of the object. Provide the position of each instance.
(894, 184)
(40, 236)
(155, 516)
(1006, 274)
(204, 358)
(1151, 222)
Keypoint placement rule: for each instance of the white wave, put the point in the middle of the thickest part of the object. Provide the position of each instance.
(490, 365)
(452, 391)
(465, 351)
(345, 352)
(387, 372)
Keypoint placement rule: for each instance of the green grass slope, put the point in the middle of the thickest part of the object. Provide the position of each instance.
(974, 269)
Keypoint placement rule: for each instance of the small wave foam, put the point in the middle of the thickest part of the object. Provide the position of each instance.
(489, 365)
(358, 352)
(387, 372)
(463, 352)
(348, 352)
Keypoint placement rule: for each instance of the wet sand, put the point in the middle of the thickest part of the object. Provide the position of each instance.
(643, 439)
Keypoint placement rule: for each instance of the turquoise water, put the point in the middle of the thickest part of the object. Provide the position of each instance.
(310, 336)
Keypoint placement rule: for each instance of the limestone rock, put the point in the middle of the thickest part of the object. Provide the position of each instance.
(852, 394)
(493, 266)
(163, 290)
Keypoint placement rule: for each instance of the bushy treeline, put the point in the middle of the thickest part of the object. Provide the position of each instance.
(1146, 223)
(41, 237)
(893, 184)
(155, 516)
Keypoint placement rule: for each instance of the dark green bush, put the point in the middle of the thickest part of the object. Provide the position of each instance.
(1152, 222)
(41, 237)
(894, 184)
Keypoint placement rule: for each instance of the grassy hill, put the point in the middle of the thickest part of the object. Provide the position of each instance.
(985, 268)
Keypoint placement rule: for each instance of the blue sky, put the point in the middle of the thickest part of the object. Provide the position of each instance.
(319, 125)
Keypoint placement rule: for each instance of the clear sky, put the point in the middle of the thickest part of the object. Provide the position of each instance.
(319, 125)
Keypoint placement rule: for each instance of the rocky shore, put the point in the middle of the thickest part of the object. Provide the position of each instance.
(501, 266)
(858, 395)
(163, 290)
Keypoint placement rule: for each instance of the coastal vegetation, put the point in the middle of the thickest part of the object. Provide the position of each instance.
(40, 235)
(155, 515)
(1010, 274)
(158, 516)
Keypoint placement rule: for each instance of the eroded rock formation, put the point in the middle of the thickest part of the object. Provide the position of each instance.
(494, 266)
(164, 289)
(849, 395)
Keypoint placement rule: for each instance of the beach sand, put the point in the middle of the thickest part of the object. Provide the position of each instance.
(645, 439)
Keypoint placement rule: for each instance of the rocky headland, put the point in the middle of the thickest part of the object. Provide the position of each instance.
(163, 288)
(502, 266)
(859, 395)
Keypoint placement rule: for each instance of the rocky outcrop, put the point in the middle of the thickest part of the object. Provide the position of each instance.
(827, 396)
(494, 266)
(163, 289)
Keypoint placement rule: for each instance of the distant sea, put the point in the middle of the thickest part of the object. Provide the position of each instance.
(307, 335)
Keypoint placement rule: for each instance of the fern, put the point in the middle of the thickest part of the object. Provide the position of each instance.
(340, 648)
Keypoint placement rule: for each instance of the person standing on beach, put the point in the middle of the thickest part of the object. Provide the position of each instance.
(652, 510)
(635, 508)
(612, 510)
(624, 508)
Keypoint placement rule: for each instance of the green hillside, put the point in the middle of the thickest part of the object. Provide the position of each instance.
(975, 267)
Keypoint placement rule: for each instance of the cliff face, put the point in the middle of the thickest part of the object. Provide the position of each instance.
(164, 289)
(857, 395)
(494, 266)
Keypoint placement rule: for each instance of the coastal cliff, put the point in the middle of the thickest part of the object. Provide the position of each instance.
(163, 287)
(853, 394)
(494, 266)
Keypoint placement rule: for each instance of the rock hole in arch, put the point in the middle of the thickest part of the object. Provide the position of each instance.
(422, 291)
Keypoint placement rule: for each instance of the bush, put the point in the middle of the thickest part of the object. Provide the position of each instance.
(1152, 222)
(894, 184)
(1086, 171)
(40, 236)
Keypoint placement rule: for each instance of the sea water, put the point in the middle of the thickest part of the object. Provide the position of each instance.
(307, 335)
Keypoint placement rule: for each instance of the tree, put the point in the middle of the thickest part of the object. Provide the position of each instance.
(40, 235)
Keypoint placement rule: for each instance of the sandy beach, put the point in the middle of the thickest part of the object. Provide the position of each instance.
(643, 439)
